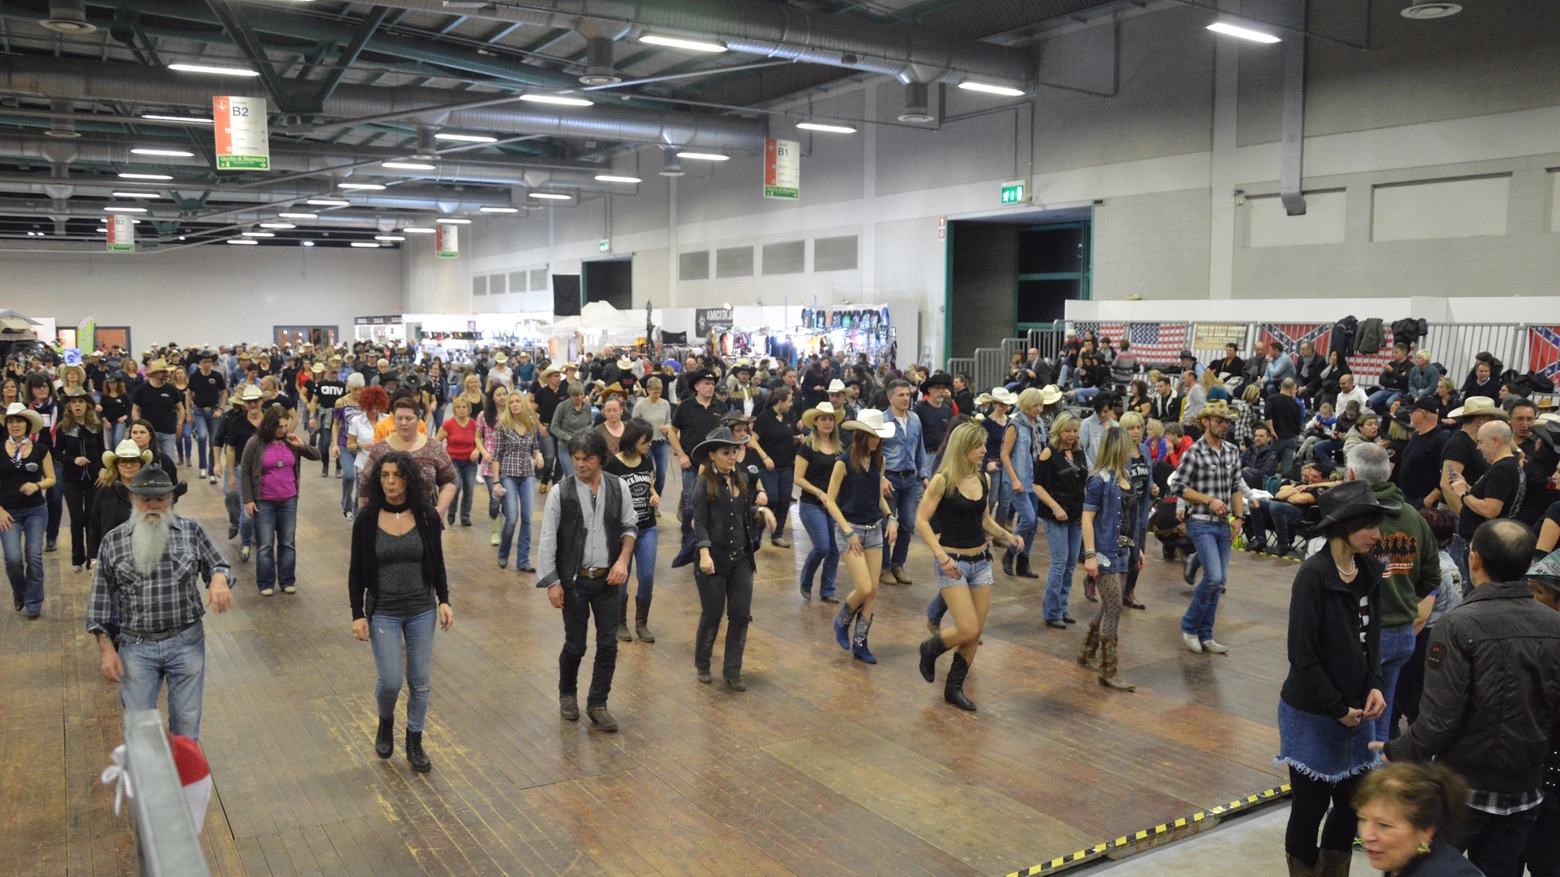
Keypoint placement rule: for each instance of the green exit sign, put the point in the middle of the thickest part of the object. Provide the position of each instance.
(605, 246)
(1015, 192)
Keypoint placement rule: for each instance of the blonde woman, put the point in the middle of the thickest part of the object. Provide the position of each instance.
(959, 495)
(1110, 514)
(516, 457)
(184, 436)
(863, 522)
(818, 453)
(1061, 472)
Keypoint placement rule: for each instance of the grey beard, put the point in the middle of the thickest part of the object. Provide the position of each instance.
(148, 540)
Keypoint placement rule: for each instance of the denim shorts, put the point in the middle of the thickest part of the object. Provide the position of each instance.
(871, 535)
(974, 573)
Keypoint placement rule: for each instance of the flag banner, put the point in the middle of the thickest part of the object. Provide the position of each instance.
(1367, 367)
(1152, 342)
(1544, 351)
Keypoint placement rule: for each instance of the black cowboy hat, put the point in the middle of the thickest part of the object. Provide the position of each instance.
(1349, 499)
(152, 481)
(937, 379)
(720, 437)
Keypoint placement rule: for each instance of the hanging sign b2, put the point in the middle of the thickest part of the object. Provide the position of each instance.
(121, 234)
(243, 139)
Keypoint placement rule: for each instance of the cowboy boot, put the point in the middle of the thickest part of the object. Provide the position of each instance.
(842, 622)
(930, 650)
(858, 642)
(953, 688)
(1108, 666)
(1091, 645)
(1297, 868)
(1007, 562)
(1333, 863)
(642, 618)
(1024, 572)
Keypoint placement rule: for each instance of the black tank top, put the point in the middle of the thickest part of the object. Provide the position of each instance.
(962, 518)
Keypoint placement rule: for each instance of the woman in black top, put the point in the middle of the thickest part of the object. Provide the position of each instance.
(40, 398)
(633, 465)
(777, 438)
(724, 531)
(863, 523)
(111, 505)
(114, 406)
(397, 587)
(1337, 367)
(26, 474)
(78, 443)
(815, 460)
(1333, 690)
(1060, 474)
(958, 495)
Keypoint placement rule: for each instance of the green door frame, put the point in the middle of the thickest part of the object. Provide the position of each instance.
(1082, 276)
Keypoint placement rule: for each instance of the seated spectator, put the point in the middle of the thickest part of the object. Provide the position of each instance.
(1348, 392)
(1138, 399)
(1446, 400)
(1285, 513)
(1249, 415)
(1367, 430)
(1423, 376)
(1484, 378)
(1308, 366)
(1213, 386)
(1231, 366)
(1190, 363)
(1393, 380)
(1124, 367)
(1089, 378)
(1165, 404)
(1279, 365)
(1259, 461)
(1171, 445)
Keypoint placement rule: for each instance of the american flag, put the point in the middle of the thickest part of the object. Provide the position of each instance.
(1544, 351)
(1367, 367)
(1152, 342)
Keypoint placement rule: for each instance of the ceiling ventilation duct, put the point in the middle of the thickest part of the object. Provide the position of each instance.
(598, 62)
(1424, 10)
(427, 145)
(917, 106)
(673, 166)
(63, 125)
(68, 17)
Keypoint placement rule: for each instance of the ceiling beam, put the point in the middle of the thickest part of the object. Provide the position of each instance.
(237, 26)
(349, 55)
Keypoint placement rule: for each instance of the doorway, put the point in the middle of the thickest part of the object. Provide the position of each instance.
(611, 281)
(1010, 273)
(109, 337)
(299, 335)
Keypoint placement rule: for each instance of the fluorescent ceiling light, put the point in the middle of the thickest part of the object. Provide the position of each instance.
(827, 129)
(498, 210)
(360, 187)
(214, 71)
(465, 138)
(258, 234)
(561, 100)
(308, 243)
(389, 237)
(145, 177)
(550, 196)
(136, 195)
(704, 156)
(328, 202)
(172, 153)
(243, 241)
(103, 231)
(193, 120)
(299, 215)
(681, 43)
(124, 209)
(452, 220)
(408, 165)
(617, 178)
(365, 245)
(988, 88)
(417, 229)
(277, 225)
(1244, 33)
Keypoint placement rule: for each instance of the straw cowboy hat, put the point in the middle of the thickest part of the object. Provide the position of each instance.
(1001, 394)
(250, 393)
(720, 437)
(500, 358)
(1216, 408)
(870, 420)
(1478, 406)
(984, 399)
(822, 409)
(156, 365)
(1050, 394)
(625, 363)
(612, 389)
(33, 418)
(127, 450)
(550, 371)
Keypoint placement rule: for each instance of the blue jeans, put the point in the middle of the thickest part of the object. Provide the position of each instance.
(1286, 455)
(1027, 508)
(1397, 646)
(519, 498)
(648, 541)
(566, 462)
(820, 532)
(169, 443)
(465, 489)
(1381, 400)
(117, 433)
(206, 423)
(549, 448)
(495, 505)
(1212, 541)
(661, 455)
(276, 530)
(1285, 519)
(1064, 540)
(1084, 394)
(24, 565)
(387, 636)
(903, 501)
(1457, 549)
(779, 484)
(181, 660)
(348, 481)
(246, 524)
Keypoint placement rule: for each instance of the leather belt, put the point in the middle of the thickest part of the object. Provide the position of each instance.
(592, 572)
(902, 473)
(125, 635)
(968, 558)
(1212, 519)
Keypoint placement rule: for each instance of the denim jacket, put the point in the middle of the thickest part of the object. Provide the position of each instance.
(1023, 448)
(1102, 495)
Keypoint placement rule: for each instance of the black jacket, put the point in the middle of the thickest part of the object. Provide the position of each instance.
(110, 508)
(725, 524)
(1329, 673)
(85, 443)
(1443, 861)
(571, 528)
(363, 571)
(1395, 375)
(1492, 691)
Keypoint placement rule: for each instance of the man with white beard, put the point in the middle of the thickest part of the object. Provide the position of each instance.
(151, 567)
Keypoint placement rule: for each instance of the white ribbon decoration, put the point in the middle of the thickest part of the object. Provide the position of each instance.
(117, 774)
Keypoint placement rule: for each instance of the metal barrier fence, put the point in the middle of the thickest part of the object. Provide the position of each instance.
(965, 365)
(165, 839)
(1454, 346)
(990, 367)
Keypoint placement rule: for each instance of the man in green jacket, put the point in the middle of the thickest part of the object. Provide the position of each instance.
(1407, 550)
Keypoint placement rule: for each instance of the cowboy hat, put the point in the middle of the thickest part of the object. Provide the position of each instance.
(700, 374)
(937, 379)
(1216, 408)
(74, 393)
(500, 358)
(719, 437)
(984, 399)
(152, 481)
(319, 368)
(742, 366)
(1478, 406)
(127, 450)
(249, 393)
(1547, 571)
(625, 363)
(612, 389)
(1002, 394)
(736, 416)
(550, 371)
(33, 418)
(870, 420)
(822, 409)
(836, 386)
(1349, 499)
(1050, 394)
(156, 365)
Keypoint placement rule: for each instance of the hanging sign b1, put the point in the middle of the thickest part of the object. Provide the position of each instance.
(243, 139)
(446, 241)
(782, 169)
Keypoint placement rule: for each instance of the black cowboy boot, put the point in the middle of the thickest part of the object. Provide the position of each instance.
(414, 752)
(384, 741)
(953, 689)
(930, 650)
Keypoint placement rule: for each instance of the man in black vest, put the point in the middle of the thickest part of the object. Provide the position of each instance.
(588, 532)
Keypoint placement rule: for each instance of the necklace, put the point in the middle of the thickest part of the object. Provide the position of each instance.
(1346, 573)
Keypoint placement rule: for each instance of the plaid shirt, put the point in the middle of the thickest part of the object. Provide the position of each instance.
(1214, 473)
(1499, 804)
(168, 598)
(514, 453)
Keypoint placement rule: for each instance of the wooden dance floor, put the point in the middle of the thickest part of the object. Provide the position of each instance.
(825, 766)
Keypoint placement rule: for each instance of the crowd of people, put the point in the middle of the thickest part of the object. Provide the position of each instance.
(1094, 450)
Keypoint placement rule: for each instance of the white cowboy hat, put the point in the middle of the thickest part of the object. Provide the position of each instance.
(836, 386)
(1478, 406)
(870, 420)
(127, 450)
(1050, 395)
(249, 394)
(500, 358)
(17, 409)
(822, 409)
(1004, 395)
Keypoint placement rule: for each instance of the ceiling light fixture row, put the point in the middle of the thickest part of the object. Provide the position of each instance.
(690, 45)
(170, 153)
(1244, 33)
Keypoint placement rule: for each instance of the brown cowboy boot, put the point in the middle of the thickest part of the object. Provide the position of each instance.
(1108, 666)
(1091, 645)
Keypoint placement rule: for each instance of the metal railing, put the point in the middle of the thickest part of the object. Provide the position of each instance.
(964, 365)
(990, 367)
(1454, 346)
(165, 840)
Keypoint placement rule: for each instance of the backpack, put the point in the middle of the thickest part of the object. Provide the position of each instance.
(1370, 338)
(1343, 332)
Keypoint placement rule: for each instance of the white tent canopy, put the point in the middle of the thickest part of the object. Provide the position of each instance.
(602, 322)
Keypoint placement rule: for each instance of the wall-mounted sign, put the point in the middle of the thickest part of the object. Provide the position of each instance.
(782, 169)
(1213, 336)
(1015, 192)
(705, 319)
(446, 241)
(243, 140)
(605, 246)
(393, 319)
(121, 234)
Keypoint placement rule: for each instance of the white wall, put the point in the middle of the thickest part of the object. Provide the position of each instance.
(213, 294)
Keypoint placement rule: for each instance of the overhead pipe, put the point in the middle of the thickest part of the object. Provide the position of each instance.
(1292, 147)
(116, 82)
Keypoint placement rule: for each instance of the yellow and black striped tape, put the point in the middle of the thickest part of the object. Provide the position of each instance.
(1099, 849)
